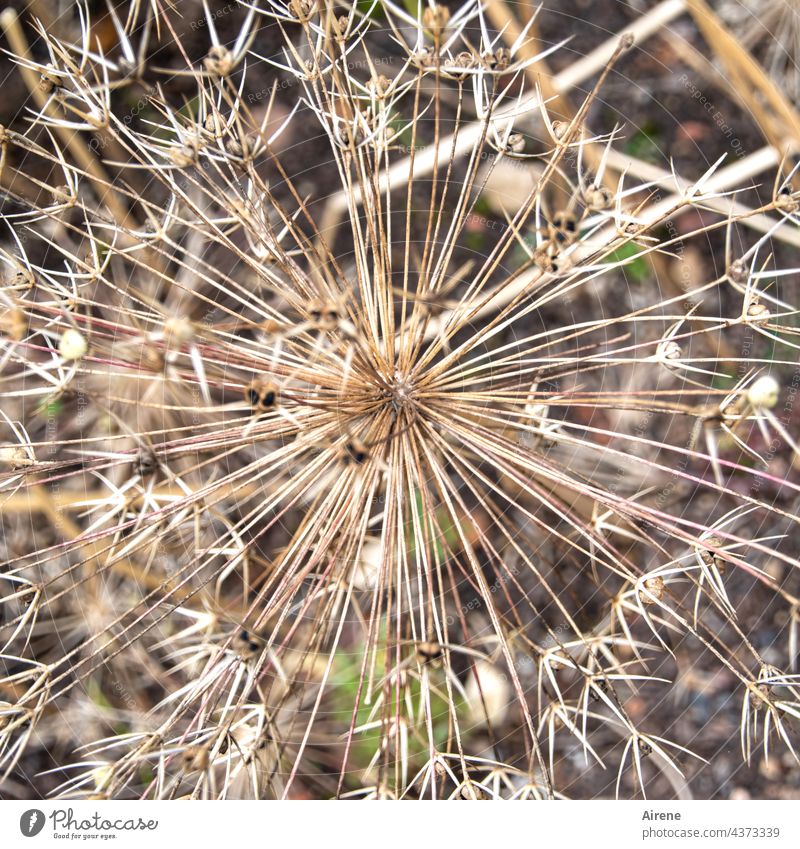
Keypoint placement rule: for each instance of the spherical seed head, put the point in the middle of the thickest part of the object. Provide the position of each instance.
(73, 344)
(764, 392)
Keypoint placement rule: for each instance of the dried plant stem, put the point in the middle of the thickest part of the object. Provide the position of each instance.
(73, 142)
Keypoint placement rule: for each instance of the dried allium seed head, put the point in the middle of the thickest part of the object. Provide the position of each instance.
(72, 345)
(763, 393)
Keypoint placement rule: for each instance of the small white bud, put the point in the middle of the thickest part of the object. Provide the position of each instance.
(764, 392)
(72, 345)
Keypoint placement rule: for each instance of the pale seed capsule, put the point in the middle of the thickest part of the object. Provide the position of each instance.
(435, 19)
(737, 271)
(195, 758)
(758, 313)
(763, 393)
(429, 652)
(247, 645)
(13, 324)
(262, 395)
(15, 456)
(597, 198)
(302, 9)
(219, 61)
(655, 590)
(49, 81)
(669, 349)
(516, 143)
(73, 344)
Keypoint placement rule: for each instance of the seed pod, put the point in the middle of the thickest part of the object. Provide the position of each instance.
(563, 227)
(324, 314)
(435, 19)
(429, 652)
(13, 324)
(15, 456)
(262, 395)
(247, 645)
(195, 758)
(737, 271)
(501, 59)
(50, 81)
(597, 198)
(763, 393)
(711, 558)
(302, 9)
(516, 143)
(219, 61)
(355, 451)
(669, 349)
(654, 588)
(758, 314)
(72, 345)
